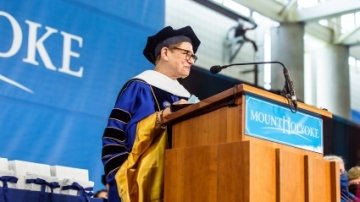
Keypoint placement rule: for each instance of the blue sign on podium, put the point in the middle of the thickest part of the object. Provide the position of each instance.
(270, 121)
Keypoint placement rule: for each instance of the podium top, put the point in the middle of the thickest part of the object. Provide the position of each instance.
(231, 96)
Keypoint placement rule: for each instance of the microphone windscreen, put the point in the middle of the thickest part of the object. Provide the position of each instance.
(215, 69)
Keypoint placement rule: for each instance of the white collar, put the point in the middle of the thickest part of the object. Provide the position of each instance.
(163, 82)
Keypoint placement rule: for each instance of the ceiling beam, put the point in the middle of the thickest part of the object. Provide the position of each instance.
(270, 9)
(324, 10)
(222, 10)
(350, 38)
(323, 33)
(289, 7)
(286, 13)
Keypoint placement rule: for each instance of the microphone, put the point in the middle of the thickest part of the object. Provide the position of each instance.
(288, 88)
(217, 68)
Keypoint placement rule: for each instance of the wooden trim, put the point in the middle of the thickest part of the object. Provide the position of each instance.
(231, 96)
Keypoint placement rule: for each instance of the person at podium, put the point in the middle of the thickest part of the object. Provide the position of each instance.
(345, 195)
(354, 180)
(134, 140)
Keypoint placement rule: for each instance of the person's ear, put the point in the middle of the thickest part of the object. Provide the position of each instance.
(165, 53)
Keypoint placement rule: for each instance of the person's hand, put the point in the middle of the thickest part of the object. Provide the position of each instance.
(181, 101)
(165, 112)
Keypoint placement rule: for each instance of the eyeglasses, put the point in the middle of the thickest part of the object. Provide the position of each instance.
(188, 54)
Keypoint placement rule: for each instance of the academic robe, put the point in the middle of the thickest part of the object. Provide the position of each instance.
(131, 133)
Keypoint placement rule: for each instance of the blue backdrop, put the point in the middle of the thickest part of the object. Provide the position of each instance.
(62, 63)
(355, 116)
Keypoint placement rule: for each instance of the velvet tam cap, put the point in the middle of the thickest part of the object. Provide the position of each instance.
(168, 36)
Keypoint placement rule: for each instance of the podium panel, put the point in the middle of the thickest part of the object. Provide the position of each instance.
(213, 158)
(246, 171)
(218, 126)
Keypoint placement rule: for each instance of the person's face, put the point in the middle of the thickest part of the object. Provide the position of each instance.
(342, 167)
(181, 59)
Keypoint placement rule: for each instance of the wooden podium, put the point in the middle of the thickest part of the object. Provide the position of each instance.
(213, 159)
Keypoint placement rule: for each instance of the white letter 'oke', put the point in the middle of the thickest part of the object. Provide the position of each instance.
(67, 53)
(34, 45)
(17, 36)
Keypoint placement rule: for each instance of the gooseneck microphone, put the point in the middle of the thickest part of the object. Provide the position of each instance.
(290, 87)
(288, 90)
(217, 68)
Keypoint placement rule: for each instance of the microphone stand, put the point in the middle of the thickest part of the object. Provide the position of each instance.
(288, 91)
(256, 71)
